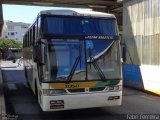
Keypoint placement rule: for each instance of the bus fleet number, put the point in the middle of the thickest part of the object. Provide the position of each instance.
(72, 86)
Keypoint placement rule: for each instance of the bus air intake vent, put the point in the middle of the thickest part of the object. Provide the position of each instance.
(76, 90)
(96, 89)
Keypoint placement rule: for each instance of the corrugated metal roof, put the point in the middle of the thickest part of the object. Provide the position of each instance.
(141, 27)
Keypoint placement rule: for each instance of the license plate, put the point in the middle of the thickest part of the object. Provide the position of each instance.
(56, 104)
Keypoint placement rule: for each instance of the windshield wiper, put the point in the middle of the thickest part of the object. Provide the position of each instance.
(98, 69)
(73, 69)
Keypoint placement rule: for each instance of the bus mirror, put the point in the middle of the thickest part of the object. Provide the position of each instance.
(39, 54)
(42, 54)
(124, 53)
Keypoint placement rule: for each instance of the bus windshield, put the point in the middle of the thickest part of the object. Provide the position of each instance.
(80, 60)
(79, 26)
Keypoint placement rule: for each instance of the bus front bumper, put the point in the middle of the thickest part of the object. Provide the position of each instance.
(79, 101)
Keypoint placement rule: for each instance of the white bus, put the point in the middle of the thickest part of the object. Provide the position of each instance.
(72, 60)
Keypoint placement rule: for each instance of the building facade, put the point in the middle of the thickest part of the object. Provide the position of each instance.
(14, 30)
(141, 28)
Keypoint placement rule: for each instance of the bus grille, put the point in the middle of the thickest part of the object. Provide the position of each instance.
(76, 90)
(96, 89)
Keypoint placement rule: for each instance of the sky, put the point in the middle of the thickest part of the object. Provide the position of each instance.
(21, 13)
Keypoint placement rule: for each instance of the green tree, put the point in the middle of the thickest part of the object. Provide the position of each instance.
(8, 43)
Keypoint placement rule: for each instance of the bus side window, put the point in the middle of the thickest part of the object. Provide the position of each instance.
(33, 37)
(30, 36)
(36, 30)
(28, 39)
(38, 27)
(23, 42)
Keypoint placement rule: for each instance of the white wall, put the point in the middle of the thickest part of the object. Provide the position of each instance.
(17, 30)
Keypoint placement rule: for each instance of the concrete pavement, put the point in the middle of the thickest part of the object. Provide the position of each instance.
(21, 102)
(3, 65)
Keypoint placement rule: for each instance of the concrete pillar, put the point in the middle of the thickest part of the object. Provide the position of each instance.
(119, 17)
(1, 19)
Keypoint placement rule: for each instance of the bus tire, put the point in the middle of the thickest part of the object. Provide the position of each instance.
(36, 91)
(25, 73)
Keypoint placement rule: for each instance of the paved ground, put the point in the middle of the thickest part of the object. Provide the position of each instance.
(21, 101)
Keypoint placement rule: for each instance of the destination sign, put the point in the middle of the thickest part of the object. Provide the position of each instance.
(100, 37)
(81, 37)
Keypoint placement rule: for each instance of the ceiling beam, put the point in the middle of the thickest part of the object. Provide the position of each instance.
(61, 1)
(72, 3)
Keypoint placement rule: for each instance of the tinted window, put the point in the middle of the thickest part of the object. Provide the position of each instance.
(80, 26)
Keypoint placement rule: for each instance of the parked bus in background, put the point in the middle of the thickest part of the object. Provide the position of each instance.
(72, 60)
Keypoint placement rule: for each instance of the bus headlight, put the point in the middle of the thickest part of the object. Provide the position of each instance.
(50, 92)
(114, 88)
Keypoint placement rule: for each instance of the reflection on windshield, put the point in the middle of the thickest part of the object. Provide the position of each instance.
(104, 60)
(79, 60)
(65, 54)
(73, 68)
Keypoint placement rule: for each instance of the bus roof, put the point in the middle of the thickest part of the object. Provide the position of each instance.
(77, 13)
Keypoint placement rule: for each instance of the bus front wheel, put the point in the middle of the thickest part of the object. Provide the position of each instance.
(25, 73)
(36, 91)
